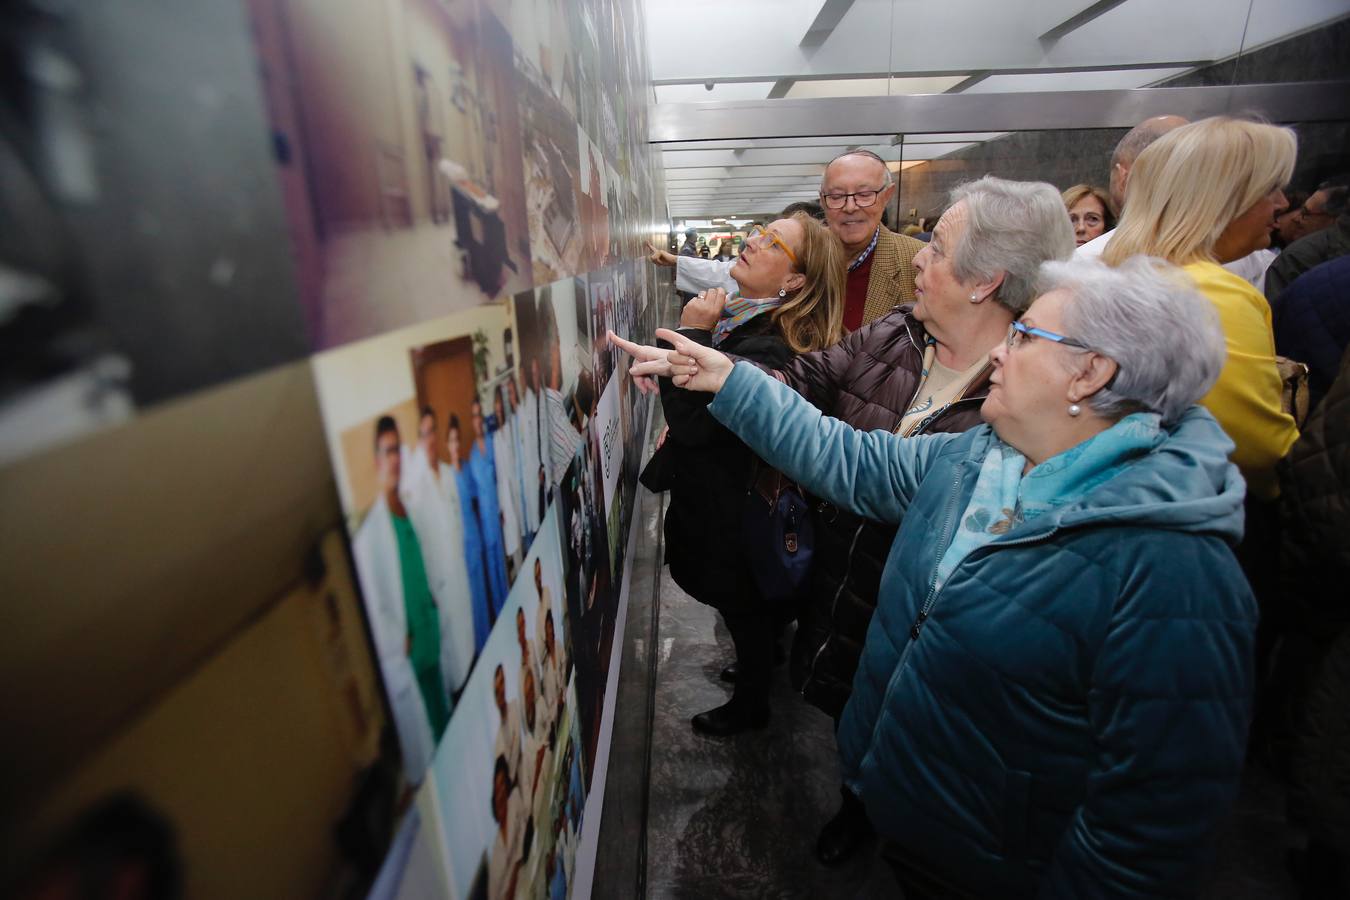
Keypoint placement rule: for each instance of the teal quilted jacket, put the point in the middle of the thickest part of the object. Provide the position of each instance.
(1067, 717)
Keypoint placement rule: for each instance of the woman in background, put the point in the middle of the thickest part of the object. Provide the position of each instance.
(1090, 212)
(1200, 196)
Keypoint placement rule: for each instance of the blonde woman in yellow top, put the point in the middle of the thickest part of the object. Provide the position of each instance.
(1202, 195)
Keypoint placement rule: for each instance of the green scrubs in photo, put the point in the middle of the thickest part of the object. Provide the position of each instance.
(424, 627)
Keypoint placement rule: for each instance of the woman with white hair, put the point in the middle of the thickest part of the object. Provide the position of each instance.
(1200, 196)
(921, 369)
(1054, 694)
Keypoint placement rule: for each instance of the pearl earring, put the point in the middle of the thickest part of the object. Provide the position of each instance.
(1074, 409)
(974, 298)
(782, 292)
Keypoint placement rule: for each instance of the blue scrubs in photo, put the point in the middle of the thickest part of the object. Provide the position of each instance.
(483, 467)
(483, 616)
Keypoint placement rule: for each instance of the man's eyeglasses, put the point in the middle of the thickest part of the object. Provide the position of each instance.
(1304, 213)
(1019, 333)
(759, 232)
(861, 198)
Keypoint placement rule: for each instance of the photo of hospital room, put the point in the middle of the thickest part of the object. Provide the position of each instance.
(398, 137)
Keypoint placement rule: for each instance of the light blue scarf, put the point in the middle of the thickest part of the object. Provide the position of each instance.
(1004, 498)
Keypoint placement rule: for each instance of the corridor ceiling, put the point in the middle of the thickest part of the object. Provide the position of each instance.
(736, 50)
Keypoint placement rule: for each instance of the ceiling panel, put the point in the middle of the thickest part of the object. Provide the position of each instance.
(766, 171)
(890, 47)
(697, 93)
(750, 143)
(683, 159)
(872, 87)
(1109, 80)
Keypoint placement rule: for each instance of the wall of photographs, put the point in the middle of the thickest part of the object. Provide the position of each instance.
(468, 186)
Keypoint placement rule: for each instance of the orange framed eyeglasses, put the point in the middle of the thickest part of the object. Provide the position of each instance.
(760, 232)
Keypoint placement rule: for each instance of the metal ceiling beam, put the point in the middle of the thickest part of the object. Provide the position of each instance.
(934, 73)
(827, 18)
(1314, 101)
(1074, 22)
(974, 79)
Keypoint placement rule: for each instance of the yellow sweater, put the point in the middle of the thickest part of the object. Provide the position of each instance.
(1246, 398)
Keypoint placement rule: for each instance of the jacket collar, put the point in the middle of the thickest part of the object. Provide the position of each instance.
(918, 337)
(892, 275)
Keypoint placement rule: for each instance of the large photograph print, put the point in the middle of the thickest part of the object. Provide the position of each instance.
(464, 220)
(398, 138)
(415, 447)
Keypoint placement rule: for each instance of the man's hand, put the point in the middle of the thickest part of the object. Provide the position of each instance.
(660, 257)
(694, 366)
(705, 310)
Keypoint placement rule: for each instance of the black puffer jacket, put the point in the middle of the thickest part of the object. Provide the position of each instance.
(867, 380)
(706, 468)
(1315, 501)
(1315, 507)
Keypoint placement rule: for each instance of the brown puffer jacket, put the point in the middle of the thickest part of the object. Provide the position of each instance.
(868, 380)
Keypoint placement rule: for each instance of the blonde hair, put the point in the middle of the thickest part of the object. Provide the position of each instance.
(1187, 187)
(1079, 191)
(813, 317)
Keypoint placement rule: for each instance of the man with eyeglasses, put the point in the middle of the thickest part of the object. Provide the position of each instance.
(854, 191)
(1326, 214)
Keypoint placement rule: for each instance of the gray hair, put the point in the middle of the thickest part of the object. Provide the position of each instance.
(1147, 316)
(1011, 228)
(866, 154)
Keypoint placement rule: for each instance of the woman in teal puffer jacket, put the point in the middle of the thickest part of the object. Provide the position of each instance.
(1054, 694)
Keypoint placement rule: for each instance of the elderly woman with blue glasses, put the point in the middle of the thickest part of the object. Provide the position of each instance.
(1055, 691)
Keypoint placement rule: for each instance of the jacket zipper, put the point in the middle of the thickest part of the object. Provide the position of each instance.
(925, 610)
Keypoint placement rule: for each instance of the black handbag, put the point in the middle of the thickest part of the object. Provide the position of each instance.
(779, 535)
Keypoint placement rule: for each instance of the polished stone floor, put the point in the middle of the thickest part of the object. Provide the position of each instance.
(737, 817)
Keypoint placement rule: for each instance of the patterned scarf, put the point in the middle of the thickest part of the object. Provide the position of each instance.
(737, 312)
(1005, 498)
(862, 257)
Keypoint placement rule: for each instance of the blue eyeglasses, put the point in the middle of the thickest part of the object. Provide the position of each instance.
(1019, 333)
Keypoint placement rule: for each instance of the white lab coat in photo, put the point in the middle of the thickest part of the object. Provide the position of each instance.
(533, 438)
(433, 503)
(508, 488)
(378, 569)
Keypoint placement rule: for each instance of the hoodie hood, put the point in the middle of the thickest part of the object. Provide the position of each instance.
(1185, 484)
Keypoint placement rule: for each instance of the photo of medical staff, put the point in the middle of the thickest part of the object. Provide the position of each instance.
(602, 320)
(452, 423)
(587, 588)
(552, 331)
(505, 429)
(507, 750)
(438, 507)
(404, 620)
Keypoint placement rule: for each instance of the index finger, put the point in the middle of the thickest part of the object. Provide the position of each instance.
(680, 342)
(633, 350)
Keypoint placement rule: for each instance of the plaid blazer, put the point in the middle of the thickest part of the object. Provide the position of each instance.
(892, 281)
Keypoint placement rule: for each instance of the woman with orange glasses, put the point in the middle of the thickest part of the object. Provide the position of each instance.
(790, 301)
